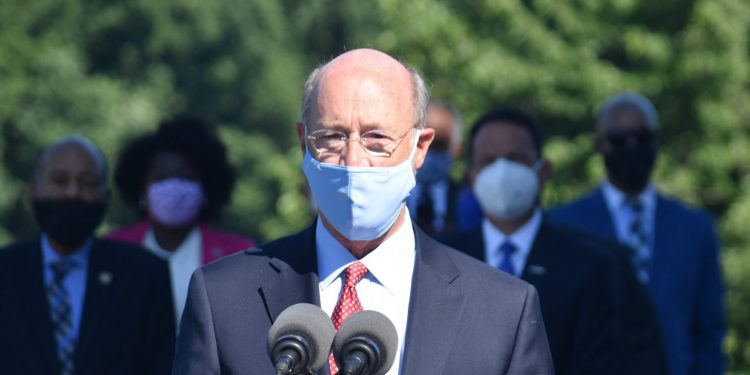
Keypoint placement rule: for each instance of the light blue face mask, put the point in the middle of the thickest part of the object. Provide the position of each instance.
(361, 203)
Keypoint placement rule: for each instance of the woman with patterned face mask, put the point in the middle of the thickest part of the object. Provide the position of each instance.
(176, 179)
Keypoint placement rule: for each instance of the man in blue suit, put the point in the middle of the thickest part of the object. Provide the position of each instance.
(675, 248)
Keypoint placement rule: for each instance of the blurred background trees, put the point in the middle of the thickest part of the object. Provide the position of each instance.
(111, 70)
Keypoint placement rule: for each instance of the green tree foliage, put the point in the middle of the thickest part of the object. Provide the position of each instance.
(111, 70)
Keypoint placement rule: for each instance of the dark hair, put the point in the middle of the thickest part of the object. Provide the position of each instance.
(514, 116)
(190, 137)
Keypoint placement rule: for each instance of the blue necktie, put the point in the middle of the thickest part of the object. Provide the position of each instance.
(62, 319)
(507, 248)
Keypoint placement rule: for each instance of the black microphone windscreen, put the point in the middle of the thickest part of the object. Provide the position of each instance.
(309, 321)
(376, 327)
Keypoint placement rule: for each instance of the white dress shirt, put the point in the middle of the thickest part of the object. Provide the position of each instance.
(387, 286)
(523, 239)
(182, 262)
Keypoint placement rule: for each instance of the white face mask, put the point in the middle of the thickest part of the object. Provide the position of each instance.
(506, 189)
(361, 203)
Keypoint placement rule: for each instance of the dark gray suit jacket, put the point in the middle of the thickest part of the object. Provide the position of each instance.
(464, 316)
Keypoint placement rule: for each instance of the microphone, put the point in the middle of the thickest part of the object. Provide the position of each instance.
(366, 344)
(299, 341)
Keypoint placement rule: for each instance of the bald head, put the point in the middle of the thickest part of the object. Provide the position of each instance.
(367, 67)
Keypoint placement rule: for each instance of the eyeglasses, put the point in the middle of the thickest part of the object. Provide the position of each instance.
(375, 142)
(620, 137)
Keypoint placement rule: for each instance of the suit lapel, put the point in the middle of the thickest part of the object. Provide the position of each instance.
(287, 288)
(34, 295)
(435, 309)
(295, 278)
(662, 245)
(538, 260)
(601, 217)
(100, 280)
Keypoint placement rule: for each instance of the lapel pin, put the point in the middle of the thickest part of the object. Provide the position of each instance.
(105, 278)
(537, 270)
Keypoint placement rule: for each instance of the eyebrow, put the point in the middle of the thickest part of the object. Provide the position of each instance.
(363, 127)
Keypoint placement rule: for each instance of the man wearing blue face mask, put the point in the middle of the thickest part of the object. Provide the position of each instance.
(432, 202)
(363, 137)
(580, 287)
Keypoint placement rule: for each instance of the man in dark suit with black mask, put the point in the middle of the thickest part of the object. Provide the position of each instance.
(579, 292)
(73, 303)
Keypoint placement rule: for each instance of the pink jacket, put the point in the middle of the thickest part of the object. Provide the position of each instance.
(216, 243)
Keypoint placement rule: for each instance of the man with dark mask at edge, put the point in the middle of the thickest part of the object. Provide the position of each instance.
(73, 303)
(674, 248)
(432, 202)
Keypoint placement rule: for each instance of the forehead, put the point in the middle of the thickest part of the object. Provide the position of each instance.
(502, 138)
(625, 118)
(70, 159)
(357, 97)
(170, 160)
(168, 163)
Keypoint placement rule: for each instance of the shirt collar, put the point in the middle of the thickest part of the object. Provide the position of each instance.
(80, 255)
(616, 199)
(523, 238)
(391, 264)
(192, 240)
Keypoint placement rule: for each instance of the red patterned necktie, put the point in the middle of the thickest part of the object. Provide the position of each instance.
(348, 303)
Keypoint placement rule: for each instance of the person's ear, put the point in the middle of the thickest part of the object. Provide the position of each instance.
(426, 136)
(301, 137)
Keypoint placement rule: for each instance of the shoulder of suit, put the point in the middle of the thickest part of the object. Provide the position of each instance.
(580, 247)
(682, 208)
(251, 262)
(474, 272)
(574, 206)
(457, 238)
(16, 251)
(129, 256)
(221, 235)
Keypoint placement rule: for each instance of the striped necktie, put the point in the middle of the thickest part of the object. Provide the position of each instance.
(62, 319)
(639, 240)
